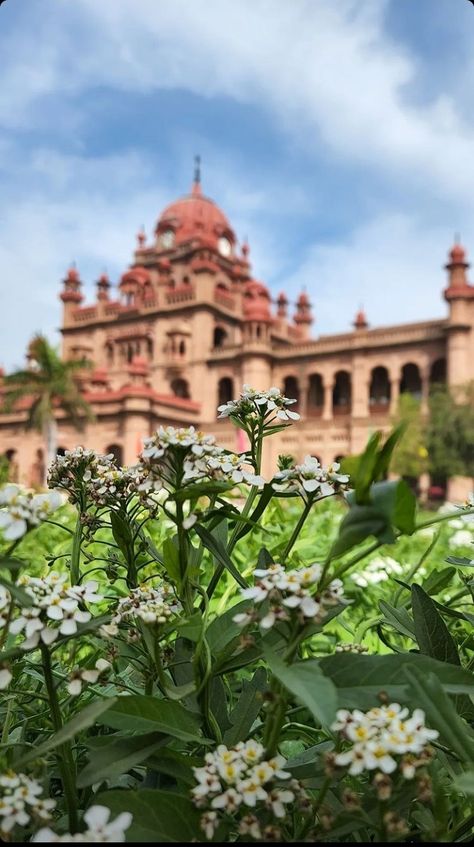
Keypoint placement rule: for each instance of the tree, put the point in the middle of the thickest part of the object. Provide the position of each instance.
(410, 457)
(50, 384)
(450, 432)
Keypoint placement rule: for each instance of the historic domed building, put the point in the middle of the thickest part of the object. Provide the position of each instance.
(188, 324)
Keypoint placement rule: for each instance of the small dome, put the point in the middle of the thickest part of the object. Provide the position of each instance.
(457, 254)
(256, 301)
(360, 321)
(136, 274)
(303, 299)
(72, 274)
(282, 298)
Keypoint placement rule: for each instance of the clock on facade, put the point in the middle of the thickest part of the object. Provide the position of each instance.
(225, 247)
(167, 239)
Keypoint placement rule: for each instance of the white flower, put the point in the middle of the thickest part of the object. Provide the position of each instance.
(55, 609)
(21, 509)
(90, 675)
(380, 737)
(236, 778)
(311, 478)
(99, 828)
(461, 538)
(5, 677)
(269, 404)
(20, 801)
(290, 591)
(152, 605)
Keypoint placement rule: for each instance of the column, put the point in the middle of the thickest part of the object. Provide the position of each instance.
(394, 393)
(328, 385)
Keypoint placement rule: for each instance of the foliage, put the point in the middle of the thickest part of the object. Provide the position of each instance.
(49, 383)
(450, 431)
(410, 458)
(192, 653)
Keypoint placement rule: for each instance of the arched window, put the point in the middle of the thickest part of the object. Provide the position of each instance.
(315, 395)
(379, 392)
(13, 468)
(149, 348)
(438, 372)
(182, 348)
(129, 353)
(410, 382)
(220, 337)
(180, 388)
(117, 453)
(342, 393)
(291, 389)
(225, 390)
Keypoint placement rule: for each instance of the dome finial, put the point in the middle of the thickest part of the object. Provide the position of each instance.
(197, 175)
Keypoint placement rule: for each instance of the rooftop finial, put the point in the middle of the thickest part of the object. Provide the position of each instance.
(197, 169)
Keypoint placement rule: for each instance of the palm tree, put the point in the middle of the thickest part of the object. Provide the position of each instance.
(50, 384)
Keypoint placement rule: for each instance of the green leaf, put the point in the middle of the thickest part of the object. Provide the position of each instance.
(219, 552)
(222, 630)
(460, 561)
(432, 634)
(264, 499)
(306, 681)
(142, 713)
(427, 694)
(112, 756)
(82, 720)
(360, 679)
(201, 489)
(121, 533)
(465, 783)
(171, 561)
(174, 764)
(398, 618)
(247, 708)
(437, 581)
(310, 762)
(158, 816)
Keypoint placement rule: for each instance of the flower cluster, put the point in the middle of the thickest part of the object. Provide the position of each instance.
(89, 675)
(55, 610)
(21, 509)
(384, 739)
(239, 778)
(379, 569)
(152, 605)
(20, 801)
(75, 469)
(290, 592)
(112, 484)
(253, 404)
(99, 828)
(351, 647)
(311, 478)
(183, 456)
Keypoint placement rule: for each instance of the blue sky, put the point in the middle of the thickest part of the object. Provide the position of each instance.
(338, 137)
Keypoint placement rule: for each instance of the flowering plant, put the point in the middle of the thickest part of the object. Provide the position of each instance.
(194, 659)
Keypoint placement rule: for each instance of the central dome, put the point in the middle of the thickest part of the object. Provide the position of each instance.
(195, 217)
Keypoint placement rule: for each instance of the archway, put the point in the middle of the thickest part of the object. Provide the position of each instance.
(410, 382)
(315, 395)
(291, 389)
(180, 388)
(342, 393)
(225, 390)
(379, 391)
(117, 453)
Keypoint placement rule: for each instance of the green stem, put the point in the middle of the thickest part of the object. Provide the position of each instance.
(187, 597)
(296, 531)
(64, 754)
(76, 552)
(416, 567)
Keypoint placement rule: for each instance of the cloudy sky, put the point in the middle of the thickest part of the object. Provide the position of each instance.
(338, 135)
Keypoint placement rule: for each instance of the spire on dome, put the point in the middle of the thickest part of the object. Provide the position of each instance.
(197, 176)
(141, 238)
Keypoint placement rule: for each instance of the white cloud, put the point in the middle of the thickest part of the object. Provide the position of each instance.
(391, 266)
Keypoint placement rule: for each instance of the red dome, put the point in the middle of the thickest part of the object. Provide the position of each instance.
(457, 253)
(136, 274)
(257, 301)
(195, 216)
